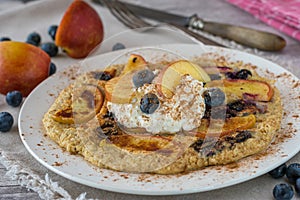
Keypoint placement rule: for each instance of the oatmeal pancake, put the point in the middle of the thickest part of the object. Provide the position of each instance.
(176, 121)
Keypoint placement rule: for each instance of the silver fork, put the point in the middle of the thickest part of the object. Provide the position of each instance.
(129, 19)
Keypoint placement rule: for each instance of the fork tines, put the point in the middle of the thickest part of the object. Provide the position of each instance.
(124, 15)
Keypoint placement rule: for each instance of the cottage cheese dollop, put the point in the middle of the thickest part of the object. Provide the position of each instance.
(182, 112)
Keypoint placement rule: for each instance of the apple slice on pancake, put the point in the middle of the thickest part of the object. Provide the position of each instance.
(84, 104)
(219, 128)
(170, 76)
(244, 89)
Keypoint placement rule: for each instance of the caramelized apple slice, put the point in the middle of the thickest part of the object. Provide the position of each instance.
(85, 104)
(120, 89)
(217, 128)
(140, 142)
(244, 89)
(137, 149)
(134, 63)
(64, 116)
(170, 77)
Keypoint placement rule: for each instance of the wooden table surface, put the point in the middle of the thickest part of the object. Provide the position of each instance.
(12, 190)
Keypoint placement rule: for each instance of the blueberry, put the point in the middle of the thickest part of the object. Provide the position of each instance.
(243, 74)
(52, 31)
(34, 39)
(236, 105)
(230, 75)
(293, 172)
(104, 76)
(52, 68)
(2, 39)
(143, 76)
(14, 98)
(297, 186)
(279, 171)
(214, 76)
(50, 48)
(214, 97)
(6, 121)
(118, 46)
(149, 103)
(283, 191)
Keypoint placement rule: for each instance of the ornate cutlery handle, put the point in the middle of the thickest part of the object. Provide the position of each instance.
(253, 38)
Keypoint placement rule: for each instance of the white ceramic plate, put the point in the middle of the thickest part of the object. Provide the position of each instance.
(73, 167)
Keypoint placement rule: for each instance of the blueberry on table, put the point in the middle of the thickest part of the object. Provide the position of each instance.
(293, 172)
(14, 98)
(278, 172)
(143, 76)
(283, 191)
(297, 186)
(118, 46)
(6, 121)
(2, 39)
(214, 97)
(34, 39)
(149, 103)
(52, 68)
(52, 31)
(50, 48)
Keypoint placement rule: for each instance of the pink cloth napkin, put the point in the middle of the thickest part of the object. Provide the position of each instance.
(283, 15)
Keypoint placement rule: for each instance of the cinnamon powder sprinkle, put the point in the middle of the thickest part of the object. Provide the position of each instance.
(297, 84)
(125, 176)
(57, 164)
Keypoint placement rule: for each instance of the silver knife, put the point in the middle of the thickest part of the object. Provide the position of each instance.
(250, 37)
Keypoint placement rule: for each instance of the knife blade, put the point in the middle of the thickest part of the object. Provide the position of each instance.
(197, 36)
(246, 36)
(184, 30)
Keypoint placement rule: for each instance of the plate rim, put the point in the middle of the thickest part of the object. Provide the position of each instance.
(129, 190)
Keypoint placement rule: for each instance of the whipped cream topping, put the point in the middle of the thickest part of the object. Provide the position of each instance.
(181, 112)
